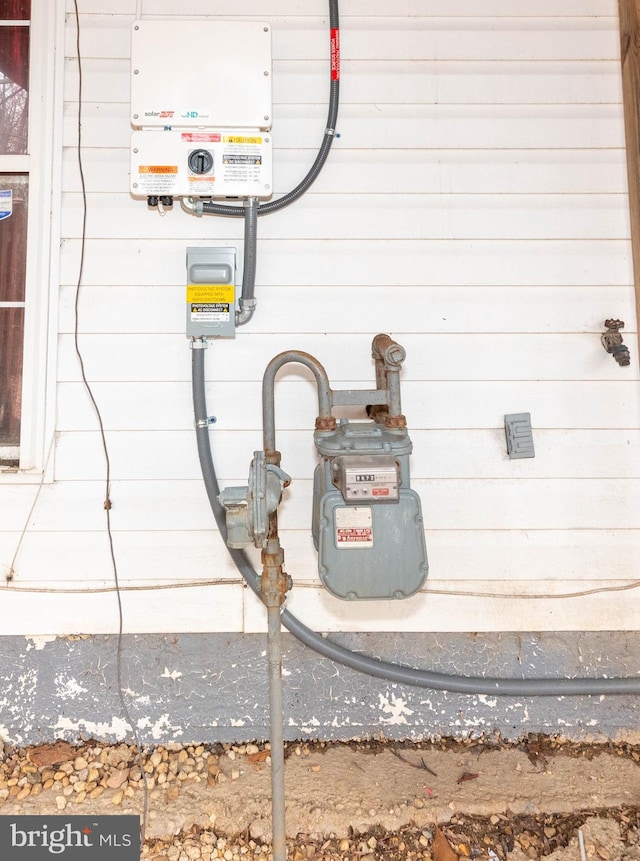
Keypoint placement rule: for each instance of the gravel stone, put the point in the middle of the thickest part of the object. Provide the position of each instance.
(191, 771)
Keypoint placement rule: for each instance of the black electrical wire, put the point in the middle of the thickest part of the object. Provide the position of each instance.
(386, 670)
(105, 448)
(210, 208)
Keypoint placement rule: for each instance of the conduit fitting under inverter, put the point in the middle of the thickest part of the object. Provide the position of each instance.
(386, 670)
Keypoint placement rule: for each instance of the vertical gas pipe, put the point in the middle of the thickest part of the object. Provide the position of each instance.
(274, 584)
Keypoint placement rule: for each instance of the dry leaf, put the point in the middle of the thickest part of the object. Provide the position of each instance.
(442, 850)
(260, 756)
(535, 753)
(52, 754)
(467, 776)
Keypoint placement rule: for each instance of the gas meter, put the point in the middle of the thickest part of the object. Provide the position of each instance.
(366, 520)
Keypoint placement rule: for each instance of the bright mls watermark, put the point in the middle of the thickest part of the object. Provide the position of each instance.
(70, 838)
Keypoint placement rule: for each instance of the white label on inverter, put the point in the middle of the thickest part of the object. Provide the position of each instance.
(354, 527)
(242, 158)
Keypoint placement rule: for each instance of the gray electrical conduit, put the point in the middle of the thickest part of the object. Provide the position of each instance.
(395, 673)
(210, 208)
(247, 302)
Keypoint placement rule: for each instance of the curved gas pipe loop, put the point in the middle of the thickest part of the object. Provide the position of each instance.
(388, 356)
(325, 396)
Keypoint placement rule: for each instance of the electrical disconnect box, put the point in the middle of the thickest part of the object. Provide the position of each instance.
(201, 127)
(519, 434)
(211, 278)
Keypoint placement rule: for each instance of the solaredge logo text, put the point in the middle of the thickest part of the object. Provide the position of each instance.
(55, 841)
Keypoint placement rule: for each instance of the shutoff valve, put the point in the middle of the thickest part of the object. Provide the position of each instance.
(248, 508)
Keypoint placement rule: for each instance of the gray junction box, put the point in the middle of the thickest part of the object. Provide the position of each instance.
(367, 522)
(211, 280)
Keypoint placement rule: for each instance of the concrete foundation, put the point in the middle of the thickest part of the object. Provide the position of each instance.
(213, 687)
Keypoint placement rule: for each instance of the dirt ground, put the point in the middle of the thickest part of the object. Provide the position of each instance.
(483, 799)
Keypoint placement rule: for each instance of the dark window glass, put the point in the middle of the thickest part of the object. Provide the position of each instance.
(15, 10)
(14, 89)
(13, 253)
(14, 97)
(11, 332)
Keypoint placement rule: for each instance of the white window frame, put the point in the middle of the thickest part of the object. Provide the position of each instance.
(43, 166)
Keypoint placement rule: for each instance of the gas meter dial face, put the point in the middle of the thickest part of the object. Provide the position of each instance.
(368, 478)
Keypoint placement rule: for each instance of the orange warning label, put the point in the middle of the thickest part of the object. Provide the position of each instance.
(158, 168)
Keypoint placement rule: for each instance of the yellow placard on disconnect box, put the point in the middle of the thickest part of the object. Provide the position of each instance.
(210, 293)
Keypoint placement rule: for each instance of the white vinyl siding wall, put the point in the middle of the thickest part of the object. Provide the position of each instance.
(474, 206)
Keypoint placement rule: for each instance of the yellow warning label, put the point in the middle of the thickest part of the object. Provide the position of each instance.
(239, 139)
(203, 293)
(158, 168)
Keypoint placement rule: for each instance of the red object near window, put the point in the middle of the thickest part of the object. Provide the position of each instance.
(14, 76)
(15, 10)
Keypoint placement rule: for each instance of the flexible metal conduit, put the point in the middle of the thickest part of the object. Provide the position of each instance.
(247, 301)
(211, 208)
(391, 672)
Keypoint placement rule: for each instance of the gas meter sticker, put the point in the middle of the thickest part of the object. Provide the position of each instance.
(354, 527)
